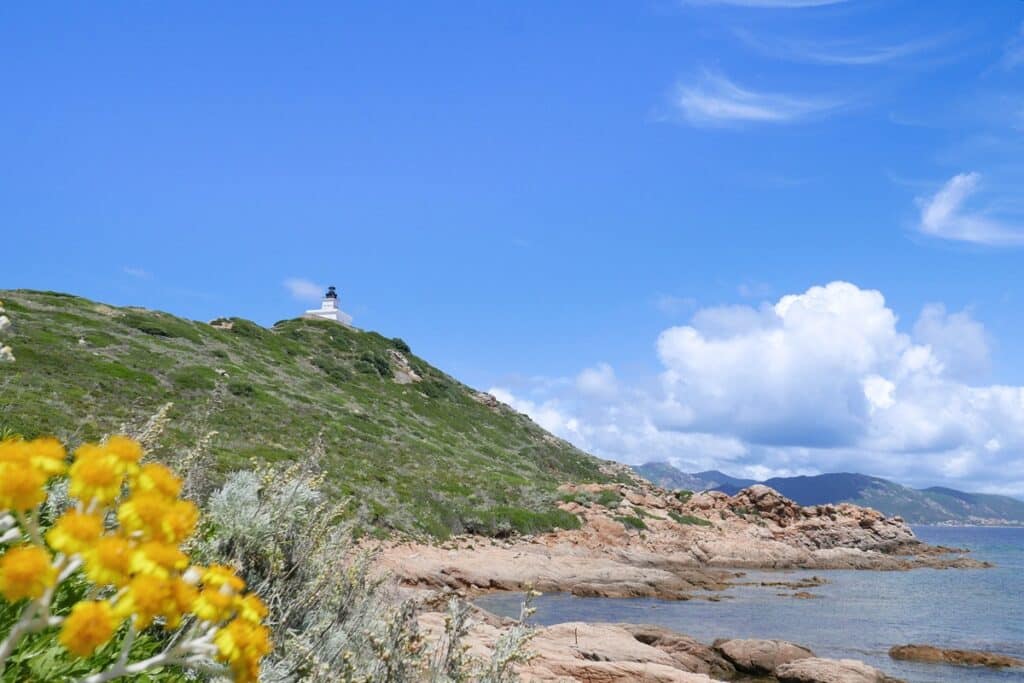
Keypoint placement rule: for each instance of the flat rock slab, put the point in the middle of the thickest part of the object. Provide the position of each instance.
(760, 657)
(820, 670)
(937, 655)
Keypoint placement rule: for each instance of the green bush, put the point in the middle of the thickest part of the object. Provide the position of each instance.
(371, 362)
(688, 519)
(242, 389)
(505, 521)
(629, 521)
(195, 378)
(158, 326)
(610, 498)
(683, 496)
(399, 344)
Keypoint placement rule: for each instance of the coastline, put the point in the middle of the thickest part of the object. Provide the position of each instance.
(689, 548)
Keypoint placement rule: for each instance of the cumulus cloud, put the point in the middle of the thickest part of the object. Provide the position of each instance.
(303, 289)
(714, 100)
(597, 382)
(823, 380)
(946, 216)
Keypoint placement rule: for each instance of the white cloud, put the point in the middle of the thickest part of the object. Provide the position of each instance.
(715, 100)
(304, 290)
(136, 272)
(597, 382)
(823, 380)
(944, 215)
(841, 53)
(959, 342)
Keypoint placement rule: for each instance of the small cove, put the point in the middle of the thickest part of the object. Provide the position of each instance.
(859, 615)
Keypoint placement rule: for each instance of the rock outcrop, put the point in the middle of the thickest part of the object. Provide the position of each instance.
(937, 655)
(640, 541)
(760, 657)
(820, 670)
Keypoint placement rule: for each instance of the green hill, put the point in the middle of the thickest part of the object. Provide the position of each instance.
(408, 447)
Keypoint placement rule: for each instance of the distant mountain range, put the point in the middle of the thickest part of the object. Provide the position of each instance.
(935, 505)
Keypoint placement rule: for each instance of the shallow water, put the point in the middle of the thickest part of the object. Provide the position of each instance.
(861, 613)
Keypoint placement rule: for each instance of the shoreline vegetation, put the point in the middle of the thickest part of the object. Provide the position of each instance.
(366, 497)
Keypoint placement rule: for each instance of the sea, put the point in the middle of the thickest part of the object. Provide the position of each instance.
(860, 614)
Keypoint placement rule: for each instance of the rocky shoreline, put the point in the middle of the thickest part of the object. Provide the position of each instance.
(637, 540)
(647, 542)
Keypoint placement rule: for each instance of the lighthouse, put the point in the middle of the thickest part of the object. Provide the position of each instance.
(329, 309)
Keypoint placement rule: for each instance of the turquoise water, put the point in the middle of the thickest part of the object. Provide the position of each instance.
(861, 614)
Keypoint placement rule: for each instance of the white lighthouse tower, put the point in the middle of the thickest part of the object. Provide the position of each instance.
(329, 309)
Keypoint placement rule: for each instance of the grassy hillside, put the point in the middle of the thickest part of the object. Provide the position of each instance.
(926, 506)
(425, 457)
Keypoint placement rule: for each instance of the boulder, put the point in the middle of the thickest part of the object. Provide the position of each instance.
(820, 670)
(938, 655)
(760, 657)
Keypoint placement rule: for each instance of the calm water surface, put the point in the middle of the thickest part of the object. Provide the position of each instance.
(861, 613)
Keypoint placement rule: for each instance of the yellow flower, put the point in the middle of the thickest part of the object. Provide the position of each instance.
(149, 597)
(90, 624)
(214, 604)
(158, 559)
(25, 572)
(13, 451)
(143, 513)
(74, 532)
(109, 562)
(179, 522)
(126, 451)
(154, 516)
(242, 645)
(95, 474)
(251, 608)
(219, 575)
(21, 486)
(159, 479)
(47, 454)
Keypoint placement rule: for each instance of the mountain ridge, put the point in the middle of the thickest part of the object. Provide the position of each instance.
(932, 505)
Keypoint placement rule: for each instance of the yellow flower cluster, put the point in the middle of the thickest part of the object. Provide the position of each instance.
(139, 561)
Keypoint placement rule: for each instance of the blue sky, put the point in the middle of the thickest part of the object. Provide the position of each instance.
(528, 192)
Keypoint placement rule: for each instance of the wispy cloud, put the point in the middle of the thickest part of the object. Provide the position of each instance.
(945, 215)
(715, 100)
(303, 289)
(774, 4)
(136, 272)
(841, 53)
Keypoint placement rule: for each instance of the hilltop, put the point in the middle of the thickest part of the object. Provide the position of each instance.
(935, 505)
(405, 446)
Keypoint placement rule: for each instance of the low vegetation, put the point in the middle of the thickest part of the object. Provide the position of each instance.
(688, 519)
(427, 458)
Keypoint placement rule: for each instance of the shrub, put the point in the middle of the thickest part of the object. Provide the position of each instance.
(399, 344)
(371, 362)
(688, 519)
(683, 496)
(504, 521)
(156, 325)
(195, 378)
(242, 389)
(629, 521)
(610, 498)
(105, 588)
